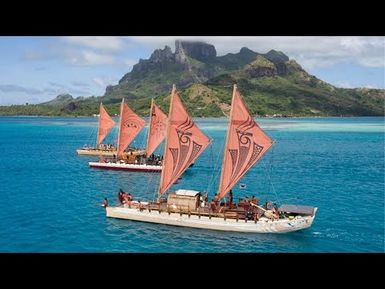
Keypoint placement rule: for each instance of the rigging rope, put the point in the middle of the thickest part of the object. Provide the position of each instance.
(214, 168)
(268, 173)
(212, 164)
(150, 180)
(92, 136)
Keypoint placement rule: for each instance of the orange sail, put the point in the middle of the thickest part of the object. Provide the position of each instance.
(157, 129)
(184, 143)
(246, 143)
(130, 126)
(106, 123)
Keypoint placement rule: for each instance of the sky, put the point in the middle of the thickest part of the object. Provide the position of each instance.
(37, 69)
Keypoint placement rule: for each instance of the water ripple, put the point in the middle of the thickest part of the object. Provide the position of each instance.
(51, 198)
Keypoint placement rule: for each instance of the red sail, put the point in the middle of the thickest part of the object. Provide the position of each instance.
(184, 143)
(106, 123)
(245, 144)
(130, 126)
(157, 129)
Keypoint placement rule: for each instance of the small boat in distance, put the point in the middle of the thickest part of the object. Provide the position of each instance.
(245, 144)
(106, 123)
(129, 128)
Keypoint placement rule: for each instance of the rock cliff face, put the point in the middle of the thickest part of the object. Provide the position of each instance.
(69, 107)
(160, 61)
(198, 50)
(164, 60)
(164, 55)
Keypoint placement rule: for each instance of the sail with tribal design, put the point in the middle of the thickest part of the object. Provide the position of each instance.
(130, 125)
(246, 143)
(184, 143)
(106, 123)
(157, 128)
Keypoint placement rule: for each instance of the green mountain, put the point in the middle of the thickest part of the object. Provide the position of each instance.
(271, 83)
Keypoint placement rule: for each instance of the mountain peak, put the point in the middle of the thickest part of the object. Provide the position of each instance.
(245, 50)
(60, 99)
(276, 56)
(195, 49)
(161, 55)
(261, 66)
(64, 96)
(262, 61)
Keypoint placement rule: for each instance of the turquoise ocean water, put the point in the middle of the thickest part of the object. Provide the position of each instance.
(50, 198)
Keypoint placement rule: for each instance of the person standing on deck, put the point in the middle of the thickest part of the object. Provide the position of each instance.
(214, 203)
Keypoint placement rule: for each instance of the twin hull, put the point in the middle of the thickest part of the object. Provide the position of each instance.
(105, 153)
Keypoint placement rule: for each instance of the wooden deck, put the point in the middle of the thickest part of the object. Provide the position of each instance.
(222, 212)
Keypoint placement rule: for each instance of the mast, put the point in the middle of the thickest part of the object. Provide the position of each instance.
(149, 123)
(227, 136)
(120, 126)
(166, 142)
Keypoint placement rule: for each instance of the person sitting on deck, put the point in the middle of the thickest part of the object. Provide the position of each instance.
(213, 206)
(216, 200)
(105, 203)
(120, 196)
(215, 203)
(140, 206)
(127, 198)
(275, 211)
(267, 205)
(202, 202)
(231, 199)
(254, 200)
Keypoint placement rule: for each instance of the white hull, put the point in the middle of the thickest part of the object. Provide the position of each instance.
(105, 153)
(95, 152)
(126, 167)
(264, 225)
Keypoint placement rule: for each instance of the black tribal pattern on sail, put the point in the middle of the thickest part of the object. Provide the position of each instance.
(187, 150)
(245, 143)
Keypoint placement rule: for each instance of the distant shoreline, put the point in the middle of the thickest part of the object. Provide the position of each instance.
(207, 117)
